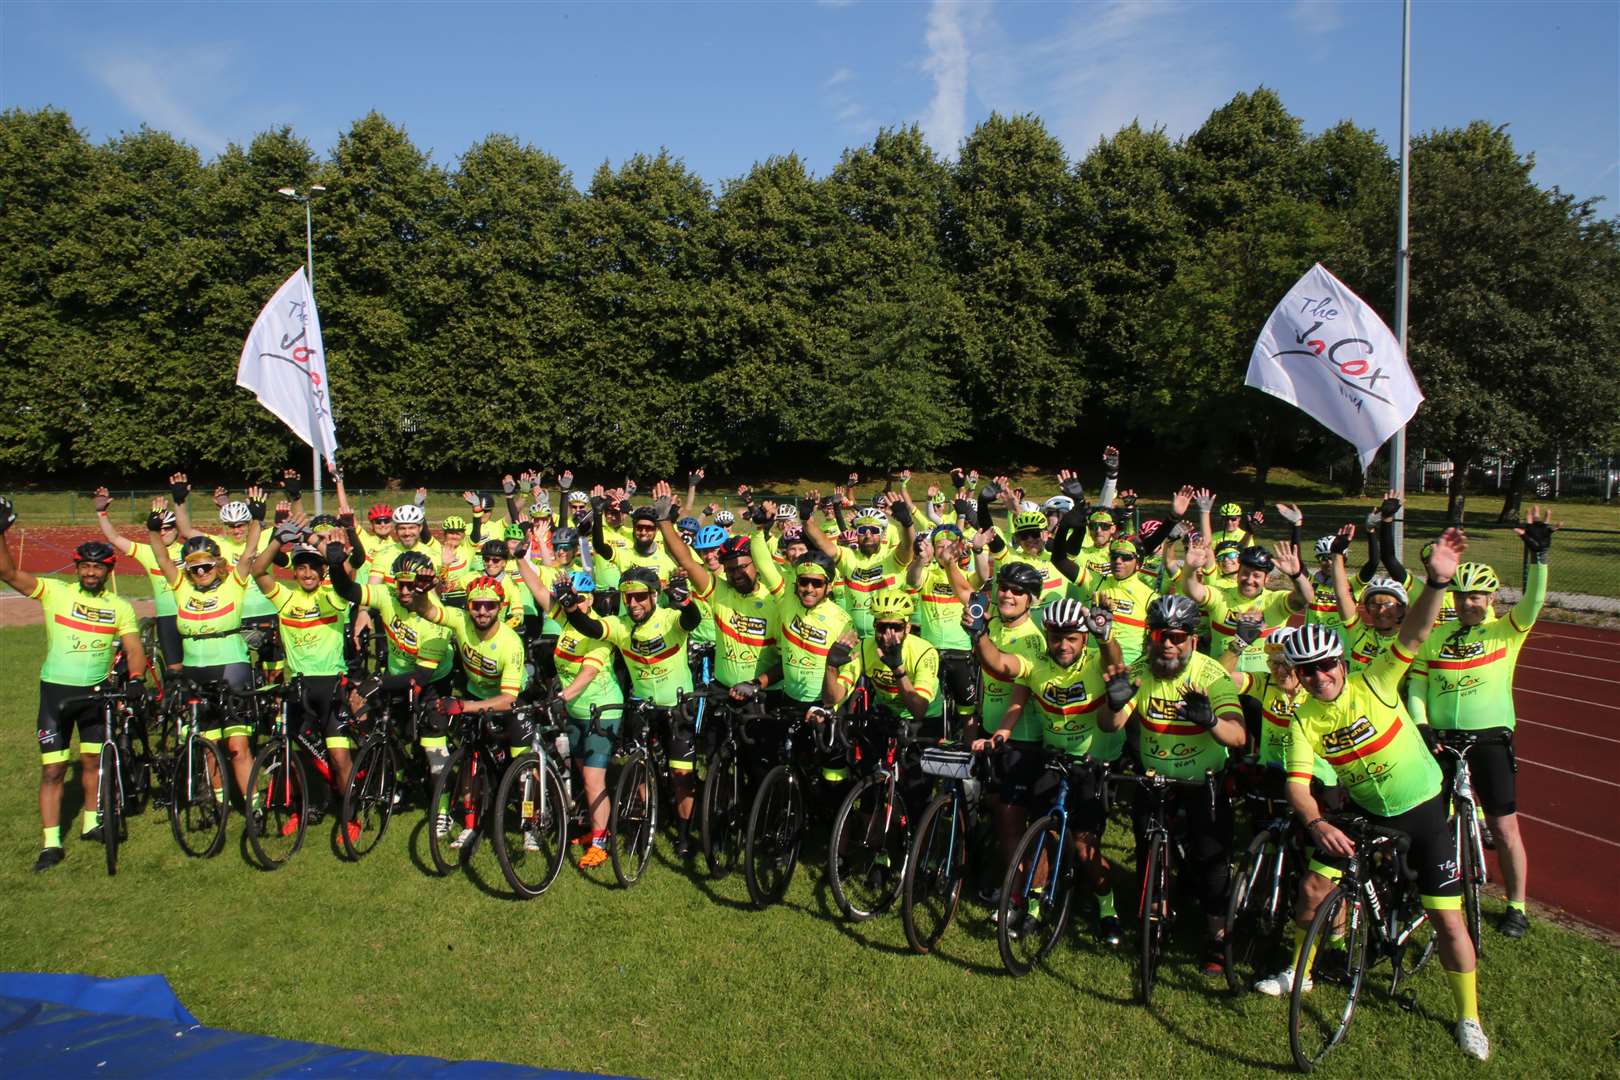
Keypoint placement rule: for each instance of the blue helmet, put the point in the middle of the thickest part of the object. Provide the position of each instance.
(710, 537)
(582, 581)
(687, 524)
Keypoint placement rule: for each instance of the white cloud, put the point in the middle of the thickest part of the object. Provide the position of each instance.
(839, 97)
(835, 3)
(159, 87)
(838, 78)
(1316, 16)
(945, 122)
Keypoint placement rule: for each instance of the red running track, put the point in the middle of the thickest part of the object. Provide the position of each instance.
(1567, 691)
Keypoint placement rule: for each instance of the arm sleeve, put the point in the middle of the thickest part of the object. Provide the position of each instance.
(1110, 487)
(343, 584)
(1391, 553)
(1524, 613)
(764, 565)
(586, 624)
(691, 615)
(1417, 690)
(1369, 569)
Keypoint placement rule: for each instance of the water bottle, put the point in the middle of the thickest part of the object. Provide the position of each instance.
(567, 771)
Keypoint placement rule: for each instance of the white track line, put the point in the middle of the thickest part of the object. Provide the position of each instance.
(1564, 697)
(1580, 655)
(1569, 674)
(1569, 731)
(1569, 772)
(1566, 828)
(1560, 636)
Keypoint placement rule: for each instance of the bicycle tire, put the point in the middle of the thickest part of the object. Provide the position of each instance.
(1155, 910)
(369, 798)
(1469, 870)
(866, 870)
(462, 789)
(1319, 1017)
(281, 805)
(931, 889)
(196, 817)
(1250, 933)
(518, 813)
(721, 824)
(108, 804)
(1021, 944)
(633, 819)
(775, 831)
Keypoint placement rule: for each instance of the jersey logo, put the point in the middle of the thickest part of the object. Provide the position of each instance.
(1462, 650)
(815, 635)
(478, 663)
(1460, 685)
(104, 616)
(1064, 695)
(1349, 737)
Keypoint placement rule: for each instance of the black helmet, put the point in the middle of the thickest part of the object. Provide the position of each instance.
(94, 551)
(1256, 558)
(198, 545)
(645, 513)
(413, 568)
(817, 559)
(308, 553)
(493, 549)
(1021, 575)
(640, 575)
(564, 538)
(1173, 612)
(323, 521)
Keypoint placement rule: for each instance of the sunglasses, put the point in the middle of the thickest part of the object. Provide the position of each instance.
(1316, 667)
(867, 530)
(200, 568)
(1121, 557)
(879, 627)
(811, 582)
(484, 605)
(419, 584)
(1172, 637)
(639, 597)
(1015, 590)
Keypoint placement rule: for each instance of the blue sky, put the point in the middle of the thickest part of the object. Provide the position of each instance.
(726, 84)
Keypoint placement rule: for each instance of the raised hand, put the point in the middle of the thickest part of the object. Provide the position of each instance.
(1390, 506)
(471, 500)
(663, 501)
(565, 479)
(1204, 499)
(1286, 558)
(853, 479)
(926, 550)
(958, 477)
(1099, 621)
(1199, 557)
(1248, 627)
(1536, 532)
(1180, 500)
(1291, 513)
(221, 495)
(1343, 538)
(1118, 686)
(1069, 483)
(1110, 460)
(694, 477)
(508, 485)
(102, 500)
(629, 488)
(179, 487)
(769, 506)
(1127, 498)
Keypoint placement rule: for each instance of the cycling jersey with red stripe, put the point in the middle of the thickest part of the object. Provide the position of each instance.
(81, 631)
(655, 653)
(1277, 708)
(311, 625)
(577, 654)
(746, 629)
(1169, 745)
(1224, 608)
(1025, 641)
(865, 576)
(807, 634)
(209, 620)
(1128, 599)
(939, 612)
(1369, 739)
(1065, 699)
(493, 660)
(413, 641)
(1463, 677)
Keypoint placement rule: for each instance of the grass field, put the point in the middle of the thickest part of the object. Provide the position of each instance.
(678, 978)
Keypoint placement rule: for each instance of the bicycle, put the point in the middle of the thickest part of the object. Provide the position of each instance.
(633, 818)
(1037, 892)
(124, 779)
(776, 821)
(937, 864)
(200, 776)
(1453, 748)
(279, 798)
(374, 784)
(722, 827)
(463, 794)
(1375, 905)
(1260, 908)
(1157, 912)
(871, 832)
(532, 807)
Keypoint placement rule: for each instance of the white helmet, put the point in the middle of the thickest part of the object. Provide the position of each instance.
(409, 514)
(786, 511)
(234, 512)
(1324, 547)
(1028, 506)
(1312, 642)
(1388, 586)
(1058, 504)
(725, 519)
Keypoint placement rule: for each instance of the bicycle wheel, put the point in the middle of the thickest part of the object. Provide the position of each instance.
(368, 803)
(1416, 945)
(530, 825)
(1155, 915)
(197, 813)
(722, 822)
(1469, 868)
(866, 854)
(460, 796)
(1319, 1012)
(633, 821)
(109, 805)
(1033, 916)
(278, 800)
(775, 830)
(935, 868)
(1256, 912)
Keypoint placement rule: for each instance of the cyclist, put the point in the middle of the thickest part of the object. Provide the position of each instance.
(1358, 723)
(492, 563)
(379, 529)
(1276, 695)
(812, 628)
(1188, 719)
(652, 641)
(869, 567)
(458, 551)
(1029, 546)
(705, 546)
(902, 668)
(1274, 607)
(939, 612)
(85, 625)
(1462, 680)
(490, 654)
(410, 535)
(1065, 682)
(163, 609)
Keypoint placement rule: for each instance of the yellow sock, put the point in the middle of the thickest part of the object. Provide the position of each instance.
(1516, 905)
(91, 819)
(1465, 992)
(53, 836)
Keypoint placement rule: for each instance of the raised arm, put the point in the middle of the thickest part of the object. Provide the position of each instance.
(1341, 587)
(120, 543)
(697, 573)
(1286, 556)
(10, 572)
(179, 488)
(1192, 574)
(1537, 536)
(1442, 567)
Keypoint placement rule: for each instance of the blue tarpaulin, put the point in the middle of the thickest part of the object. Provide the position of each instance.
(75, 1025)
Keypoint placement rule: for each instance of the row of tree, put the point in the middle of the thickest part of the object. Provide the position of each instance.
(897, 310)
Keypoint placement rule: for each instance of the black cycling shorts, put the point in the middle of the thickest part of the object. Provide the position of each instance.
(1087, 812)
(56, 722)
(1494, 768)
(1017, 768)
(1433, 853)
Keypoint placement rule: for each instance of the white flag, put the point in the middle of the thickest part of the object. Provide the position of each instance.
(284, 363)
(1325, 351)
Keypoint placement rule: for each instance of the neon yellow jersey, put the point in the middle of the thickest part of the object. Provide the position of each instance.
(939, 611)
(513, 592)
(1369, 739)
(494, 665)
(311, 625)
(456, 559)
(82, 630)
(255, 605)
(807, 634)
(1223, 610)
(382, 559)
(921, 661)
(1065, 700)
(1277, 708)
(628, 558)
(1027, 642)
(1128, 599)
(1053, 583)
(210, 621)
(413, 641)
(1170, 745)
(576, 654)
(1463, 680)
(162, 595)
(865, 576)
(654, 651)
(1363, 644)
(747, 629)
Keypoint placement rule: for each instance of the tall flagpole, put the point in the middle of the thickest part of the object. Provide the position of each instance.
(309, 271)
(1403, 258)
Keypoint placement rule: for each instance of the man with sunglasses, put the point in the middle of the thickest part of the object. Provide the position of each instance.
(492, 563)
(1229, 521)
(1359, 725)
(871, 566)
(644, 550)
(812, 628)
(85, 625)
(1188, 720)
(163, 608)
(940, 605)
(410, 536)
(1251, 598)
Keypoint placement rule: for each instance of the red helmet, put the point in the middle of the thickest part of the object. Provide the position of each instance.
(381, 512)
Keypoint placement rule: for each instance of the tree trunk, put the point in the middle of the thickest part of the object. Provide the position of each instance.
(1355, 481)
(1515, 492)
(1457, 489)
(1263, 446)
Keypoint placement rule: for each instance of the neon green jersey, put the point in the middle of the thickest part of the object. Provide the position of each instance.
(413, 641)
(1025, 641)
(1277, 708)
(1363, 644)
(939, 612)
(210, 621)
(1053, 583)
(1368, 738)
(494, 665)
(654, 651)
(1128, 599)
(921, 663)
(577, 654)
(1065, 700)
(807, 634)
(513, 592)
(747, 628)
(628, 558)
(311, 625)
(865, 576)
(1169, 744)
(1223, 609)
(162, 595)
(81, 631)
(1463, 679)
(382, 559)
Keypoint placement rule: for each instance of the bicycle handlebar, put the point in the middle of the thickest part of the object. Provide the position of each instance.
(1363, 832)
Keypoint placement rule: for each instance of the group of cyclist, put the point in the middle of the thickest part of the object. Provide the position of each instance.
(1171, 642)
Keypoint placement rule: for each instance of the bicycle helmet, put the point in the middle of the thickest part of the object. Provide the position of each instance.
(794, 534)
(1475, 577)
(937, 498)
(1100, 516)
(1228, 549)
(485, 588)
(541, 509)
(492, 549)
(688, 524)
(582, 581)
(946, 529)
(1021, 575)
(94, 551)
(1029, 506)
(564, 538)
(1064, 616)
(815, 559)
(380, 512)
(734, 547)
(1277, 640)
(644, 577)
(454, 523)
(167, 520)
(514, 532)
(873, 517)
(1256, 558)
(1058, 504)
(892, 605)
(413, 568)
(1172, 612)
(1230, 510)
(1324, 547)
(710, 537)
(409, 514)
(235, 512)
(578, 498)
(322, 522)
(307, 553)
(1386, 586)
(1151, 527)
(787, 512)
(725, 519)
(199, 549)
(644, 513)
(1028, 521)
(1312, 642)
